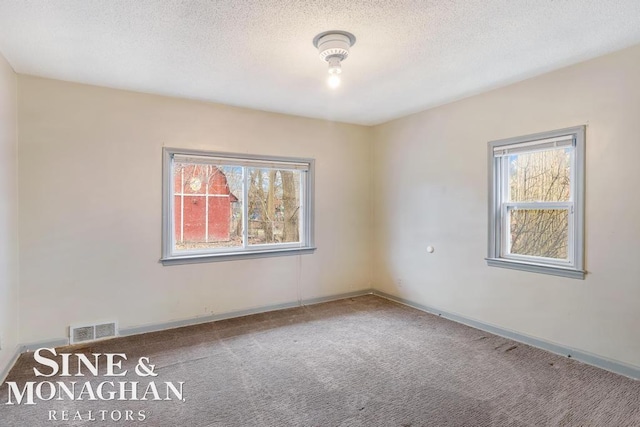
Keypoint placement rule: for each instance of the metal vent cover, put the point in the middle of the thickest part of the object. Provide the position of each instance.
(105, 330)
(97, 331)
(82, 334)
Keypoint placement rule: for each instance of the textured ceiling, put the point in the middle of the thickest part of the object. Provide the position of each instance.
(409, 55)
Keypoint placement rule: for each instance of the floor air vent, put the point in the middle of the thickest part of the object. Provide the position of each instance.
(86, 333)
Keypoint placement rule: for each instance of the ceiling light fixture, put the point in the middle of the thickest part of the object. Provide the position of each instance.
(333, 47)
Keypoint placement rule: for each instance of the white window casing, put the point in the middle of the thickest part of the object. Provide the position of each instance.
(501, 207)
(305, 244)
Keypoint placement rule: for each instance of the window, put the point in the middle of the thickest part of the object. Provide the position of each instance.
(536, 203)
(220, 206)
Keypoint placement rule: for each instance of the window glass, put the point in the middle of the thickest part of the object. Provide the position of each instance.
(539, 232)
(543, 176)
(207, 206)
(274, 206)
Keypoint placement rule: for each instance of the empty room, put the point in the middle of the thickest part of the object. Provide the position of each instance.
(332, 213)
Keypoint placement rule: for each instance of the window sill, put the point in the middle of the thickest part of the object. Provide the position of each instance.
(262, 253)
(536, 268)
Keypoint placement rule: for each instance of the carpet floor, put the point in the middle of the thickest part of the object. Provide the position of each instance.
(361, 361)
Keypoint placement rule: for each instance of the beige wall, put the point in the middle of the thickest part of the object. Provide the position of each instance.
(431, 189)
(90, 202)
(8, 214)
(90, 197)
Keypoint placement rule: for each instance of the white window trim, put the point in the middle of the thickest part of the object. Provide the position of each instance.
(573, 267)
(169, 257)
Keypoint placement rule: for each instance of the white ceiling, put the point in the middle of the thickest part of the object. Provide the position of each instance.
(409, 55)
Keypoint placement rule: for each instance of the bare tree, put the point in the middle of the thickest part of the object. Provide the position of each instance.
(542, 176)
(274, 205)
(291, 205)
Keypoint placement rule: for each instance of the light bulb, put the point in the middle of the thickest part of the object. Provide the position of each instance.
(333, 81)
(334, 66)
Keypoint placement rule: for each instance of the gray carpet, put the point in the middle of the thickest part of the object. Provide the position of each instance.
(356, 362)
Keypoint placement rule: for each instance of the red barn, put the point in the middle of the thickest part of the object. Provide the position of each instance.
(202, 204)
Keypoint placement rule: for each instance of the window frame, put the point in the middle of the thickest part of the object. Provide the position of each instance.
(171, 257)
(498, 216)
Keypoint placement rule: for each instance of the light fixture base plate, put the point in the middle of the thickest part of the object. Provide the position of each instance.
(351, 37)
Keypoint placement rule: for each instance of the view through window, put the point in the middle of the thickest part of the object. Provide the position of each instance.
(536, 179)
(227, 205)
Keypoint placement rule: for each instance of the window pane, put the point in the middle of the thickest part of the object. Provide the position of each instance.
(543, 176)
(540, 232)
(273, 206)
(207, 206)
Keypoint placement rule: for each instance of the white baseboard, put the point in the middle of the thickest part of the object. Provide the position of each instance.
(615, 366)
